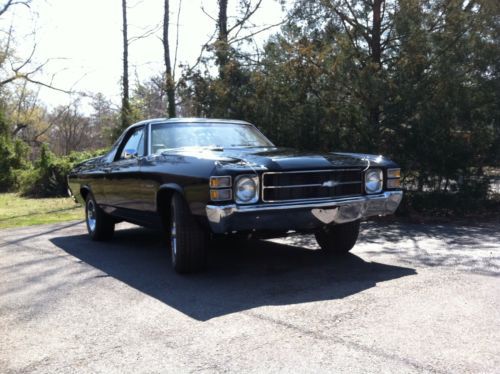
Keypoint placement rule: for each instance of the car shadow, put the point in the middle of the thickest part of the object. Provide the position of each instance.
(242, 274)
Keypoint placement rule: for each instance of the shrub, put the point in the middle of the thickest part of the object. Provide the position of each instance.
(13, 156)
(441, 204)
(48, 176)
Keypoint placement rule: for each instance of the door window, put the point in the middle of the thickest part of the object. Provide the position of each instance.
(134, 147)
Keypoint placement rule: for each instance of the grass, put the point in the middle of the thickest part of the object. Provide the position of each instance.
(21, 211)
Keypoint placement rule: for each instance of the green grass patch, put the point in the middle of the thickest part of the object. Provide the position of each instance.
(21, 211)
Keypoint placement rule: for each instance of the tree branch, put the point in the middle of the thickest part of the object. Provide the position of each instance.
(200, 56)
(248, 13)
(231, 41)
(145, 35)
(176, 39)
(10, 3)
(207, 14)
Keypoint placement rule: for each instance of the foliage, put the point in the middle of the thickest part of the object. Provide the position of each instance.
(48, 176)
(148, 99)
(103, 121)
(416, 80)
(419, 83)
(13, 155)
(439, 204)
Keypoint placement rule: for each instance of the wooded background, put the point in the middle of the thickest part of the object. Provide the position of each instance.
(417, 81)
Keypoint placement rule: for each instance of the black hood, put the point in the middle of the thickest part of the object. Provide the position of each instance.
(218, 161)
(278, 158)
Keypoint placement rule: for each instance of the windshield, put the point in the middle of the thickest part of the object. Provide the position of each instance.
(225, 135)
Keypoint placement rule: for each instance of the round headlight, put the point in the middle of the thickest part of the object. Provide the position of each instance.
(373, 181)
(246, 189)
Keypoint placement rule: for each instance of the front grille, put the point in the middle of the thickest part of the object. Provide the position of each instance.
(311, 185)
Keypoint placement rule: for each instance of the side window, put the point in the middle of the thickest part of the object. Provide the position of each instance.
(134, 147)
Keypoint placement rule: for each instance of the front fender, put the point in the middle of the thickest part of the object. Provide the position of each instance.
(163, 197)
(196, 196)
(171, 187)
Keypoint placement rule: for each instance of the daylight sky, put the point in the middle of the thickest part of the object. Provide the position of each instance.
(83, 39)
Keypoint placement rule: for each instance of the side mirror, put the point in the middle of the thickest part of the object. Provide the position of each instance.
(129, 153)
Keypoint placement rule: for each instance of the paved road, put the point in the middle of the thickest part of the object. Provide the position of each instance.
(411, 298)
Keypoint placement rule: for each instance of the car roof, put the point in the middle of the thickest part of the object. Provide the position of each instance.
(190, 120)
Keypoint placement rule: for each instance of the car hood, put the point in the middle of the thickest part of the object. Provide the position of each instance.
(279, 158)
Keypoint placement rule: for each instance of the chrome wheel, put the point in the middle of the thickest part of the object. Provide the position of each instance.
(187, 238)
(173, 237)
(99, 225)
(91, 215)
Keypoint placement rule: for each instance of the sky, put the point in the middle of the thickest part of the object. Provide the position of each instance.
(83, 42)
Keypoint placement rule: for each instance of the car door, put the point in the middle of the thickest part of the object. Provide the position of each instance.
(122, 186)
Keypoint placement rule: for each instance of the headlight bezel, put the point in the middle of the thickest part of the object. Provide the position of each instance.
(369, 179)
(393, 179)
(253, 179)
(220, 188)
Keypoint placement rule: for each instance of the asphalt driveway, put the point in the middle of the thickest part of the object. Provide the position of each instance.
(410, 298)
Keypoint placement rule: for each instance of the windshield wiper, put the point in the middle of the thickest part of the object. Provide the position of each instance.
(217, 148)
(249, 145)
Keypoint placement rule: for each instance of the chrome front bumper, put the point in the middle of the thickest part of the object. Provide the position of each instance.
(300, 215)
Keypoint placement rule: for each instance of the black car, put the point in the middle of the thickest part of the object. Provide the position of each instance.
(200, 178)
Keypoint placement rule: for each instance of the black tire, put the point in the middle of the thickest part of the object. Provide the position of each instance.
(188, 240)
(99, 225)
(338, 239)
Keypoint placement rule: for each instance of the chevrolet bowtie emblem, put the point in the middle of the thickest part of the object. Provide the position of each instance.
(329, 184)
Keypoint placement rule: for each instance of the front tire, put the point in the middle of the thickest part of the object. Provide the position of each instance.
(338, 239)
(99, 225)
(188, 240)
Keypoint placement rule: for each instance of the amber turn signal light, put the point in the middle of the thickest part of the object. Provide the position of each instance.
(393, 173)
(220, 182)
(221, 195)
(393, 183)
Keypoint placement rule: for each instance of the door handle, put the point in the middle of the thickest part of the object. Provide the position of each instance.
(106, 170)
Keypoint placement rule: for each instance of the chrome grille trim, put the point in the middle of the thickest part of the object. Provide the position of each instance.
(309, 171)
(313, 185)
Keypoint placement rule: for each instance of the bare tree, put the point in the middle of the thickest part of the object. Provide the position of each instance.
(226, 35)
(151, 94)
(14, 68)
(242, 29)
(169, 80)
(7, 4)
(69, 130)
(366, 36)
(27, 116)
(103, 119)
(221, 45)
(125, 110)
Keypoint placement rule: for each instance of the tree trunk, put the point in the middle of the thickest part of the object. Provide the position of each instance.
(169, 79)
(376, 56)
(125, 99)
(222, 47)
(376, 47)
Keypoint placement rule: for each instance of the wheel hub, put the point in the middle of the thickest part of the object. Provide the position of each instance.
(173, 239)
(91, 215)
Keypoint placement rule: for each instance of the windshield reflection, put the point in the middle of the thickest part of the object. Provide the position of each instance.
(213, 136)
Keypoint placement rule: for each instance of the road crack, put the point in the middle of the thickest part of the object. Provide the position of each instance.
(350, 344)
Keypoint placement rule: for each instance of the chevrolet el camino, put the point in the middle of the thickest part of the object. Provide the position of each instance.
(199, 178)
